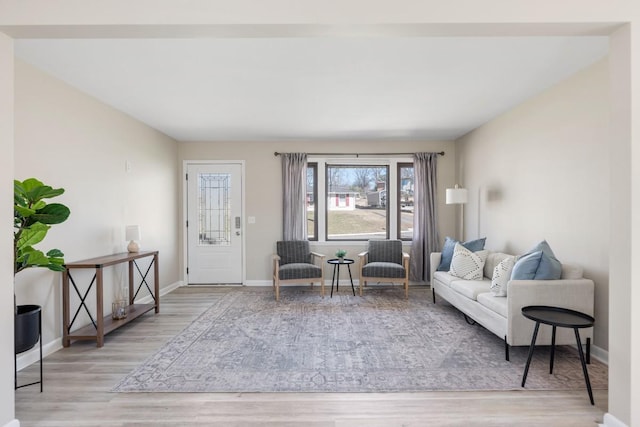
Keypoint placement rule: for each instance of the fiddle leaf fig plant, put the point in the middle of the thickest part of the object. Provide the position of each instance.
(32, 219)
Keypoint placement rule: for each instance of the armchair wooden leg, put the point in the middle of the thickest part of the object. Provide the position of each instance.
(406, 290)
(277, 292)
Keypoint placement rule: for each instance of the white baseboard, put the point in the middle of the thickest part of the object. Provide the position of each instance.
(611, 421)
(600, 354)
(258, 283)
(32, 356)
(13, 423)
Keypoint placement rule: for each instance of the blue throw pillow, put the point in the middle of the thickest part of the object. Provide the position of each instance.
(450, 244)
(540, 263)
(526, 266)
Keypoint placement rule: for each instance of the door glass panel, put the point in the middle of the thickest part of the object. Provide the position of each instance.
(214, 206)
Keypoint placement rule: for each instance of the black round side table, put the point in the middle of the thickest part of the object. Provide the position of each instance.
(563, 318)
(337, 262)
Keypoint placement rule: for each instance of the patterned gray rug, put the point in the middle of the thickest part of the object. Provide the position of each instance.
(380, 342)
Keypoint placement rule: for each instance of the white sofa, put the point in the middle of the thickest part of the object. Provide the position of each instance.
(502, 315)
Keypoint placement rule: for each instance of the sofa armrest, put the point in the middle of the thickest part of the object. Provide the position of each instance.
(575, 294)
(434, 262)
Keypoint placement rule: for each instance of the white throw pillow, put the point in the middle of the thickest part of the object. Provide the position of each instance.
(466, 264)
(501, 275)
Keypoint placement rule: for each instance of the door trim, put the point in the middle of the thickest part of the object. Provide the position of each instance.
(183, 228)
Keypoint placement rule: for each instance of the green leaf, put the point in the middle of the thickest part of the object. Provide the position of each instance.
(55, 267)
(35, 190)
(55, 213)
(24, 212)
(55, 253)
(35, 258)
(30, 184)
(18, 189)
(33, 235)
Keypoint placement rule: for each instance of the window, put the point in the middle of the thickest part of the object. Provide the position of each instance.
(356, 202)
(358, 199)
(405, 201)
(312, 206)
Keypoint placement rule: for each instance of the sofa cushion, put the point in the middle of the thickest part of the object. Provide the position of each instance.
(466, 264)
(383, 269)
(493, 259)
(293, 252)
(381, 250)
(571, 272)
(444, 277)
(471, 288)
(538, 264)
(501, 276)
(449, 246)
(299, 271)
(493, 303)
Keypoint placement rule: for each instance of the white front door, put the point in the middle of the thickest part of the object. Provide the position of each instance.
(214, 223)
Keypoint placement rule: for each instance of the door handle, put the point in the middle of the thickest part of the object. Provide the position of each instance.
(237, 233)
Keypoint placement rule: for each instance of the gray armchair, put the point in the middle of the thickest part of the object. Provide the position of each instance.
(384, 261)
(295, 263)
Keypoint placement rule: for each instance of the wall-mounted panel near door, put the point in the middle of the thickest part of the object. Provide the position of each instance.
(215, 223)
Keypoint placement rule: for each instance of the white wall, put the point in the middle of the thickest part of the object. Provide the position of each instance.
(494, 18)
(541, 171)
(6, 271)
(623, 303)
(264, 188)
(68, 139)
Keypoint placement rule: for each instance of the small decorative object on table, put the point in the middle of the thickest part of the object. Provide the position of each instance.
(341, 253)
(119, 309)
(132, 234)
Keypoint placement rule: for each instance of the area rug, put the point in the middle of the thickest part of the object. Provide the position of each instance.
(381, 342)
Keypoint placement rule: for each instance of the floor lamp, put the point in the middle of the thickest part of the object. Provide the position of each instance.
(458, 196)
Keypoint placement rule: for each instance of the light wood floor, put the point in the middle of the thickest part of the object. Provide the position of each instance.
(78, 380)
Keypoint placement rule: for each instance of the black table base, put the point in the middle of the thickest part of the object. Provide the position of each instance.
(558, 317)
(336, 273)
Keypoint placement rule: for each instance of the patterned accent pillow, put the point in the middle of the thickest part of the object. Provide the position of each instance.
(502, 275)
(449, 246)
(466, 264)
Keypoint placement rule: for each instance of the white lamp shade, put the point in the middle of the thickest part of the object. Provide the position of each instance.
(133, 232)
(457, 196)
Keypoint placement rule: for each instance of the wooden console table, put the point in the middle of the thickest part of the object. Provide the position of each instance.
(102, 325)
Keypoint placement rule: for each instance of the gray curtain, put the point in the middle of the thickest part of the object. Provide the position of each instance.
(425, 215)
(294, 194)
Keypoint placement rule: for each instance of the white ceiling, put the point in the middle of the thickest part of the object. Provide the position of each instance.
(314, 89)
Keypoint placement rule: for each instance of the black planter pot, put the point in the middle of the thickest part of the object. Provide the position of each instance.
(27, 330)
(27, 327)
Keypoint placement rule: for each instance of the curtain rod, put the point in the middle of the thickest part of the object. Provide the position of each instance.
(441, 153)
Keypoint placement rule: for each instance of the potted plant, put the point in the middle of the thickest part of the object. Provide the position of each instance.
(33, 218)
